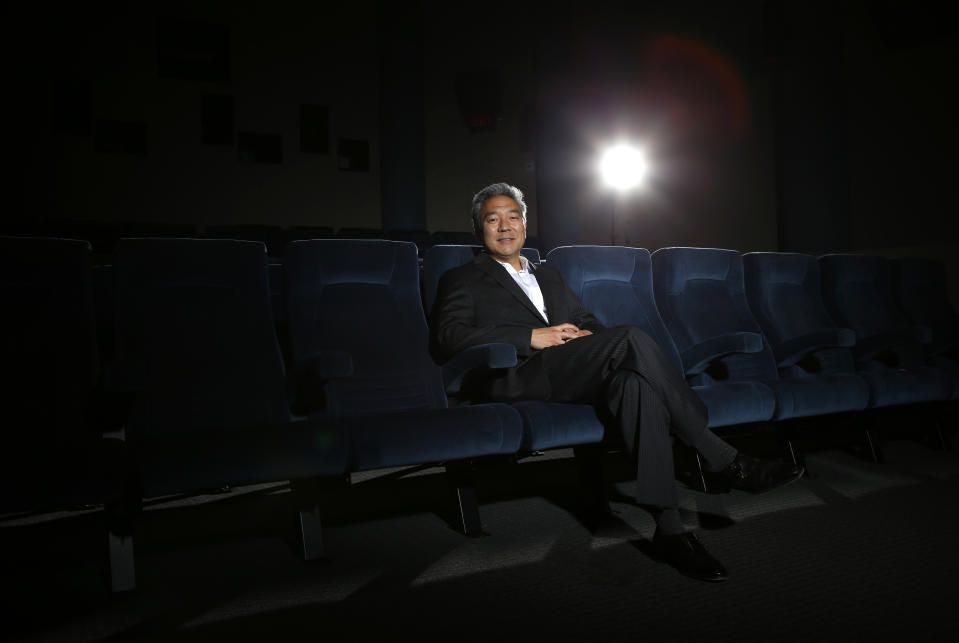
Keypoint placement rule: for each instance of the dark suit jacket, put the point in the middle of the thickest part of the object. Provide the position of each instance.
(480, 303)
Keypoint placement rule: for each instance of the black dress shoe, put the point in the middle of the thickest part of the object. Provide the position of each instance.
(757, 475)
(689, 557)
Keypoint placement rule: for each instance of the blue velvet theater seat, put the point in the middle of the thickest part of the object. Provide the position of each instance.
(784, 292)
(197, 350)
(545, 425)
(922, 295)
(616, 284)
(857, 293)
(700, 293)
(361, 349)
(54, 455)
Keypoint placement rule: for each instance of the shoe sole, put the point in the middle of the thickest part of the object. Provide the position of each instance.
(710, 579)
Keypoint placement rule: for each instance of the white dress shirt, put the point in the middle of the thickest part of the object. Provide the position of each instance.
(524, 279)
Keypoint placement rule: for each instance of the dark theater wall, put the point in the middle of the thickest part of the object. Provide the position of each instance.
(770, 125)
(901, 130)
(866, 134)
(690, 84)
(117, 103)
(480, 63)
(903, 133)
(808, 71)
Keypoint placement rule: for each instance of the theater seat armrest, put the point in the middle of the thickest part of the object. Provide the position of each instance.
(867, 348)
(476, 358)
(697, 358)
(793, 350)
(327, 365)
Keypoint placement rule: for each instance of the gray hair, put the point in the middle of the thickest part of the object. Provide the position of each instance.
(487, 193)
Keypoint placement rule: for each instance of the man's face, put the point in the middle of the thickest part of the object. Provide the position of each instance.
(504, 232)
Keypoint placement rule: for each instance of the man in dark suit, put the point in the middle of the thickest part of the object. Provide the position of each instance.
(566, 355)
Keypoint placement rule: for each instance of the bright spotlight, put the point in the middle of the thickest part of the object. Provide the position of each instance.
(623, 167)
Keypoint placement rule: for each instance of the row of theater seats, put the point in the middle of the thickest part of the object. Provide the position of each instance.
(103, 236)
(193, 372)
(774, 336)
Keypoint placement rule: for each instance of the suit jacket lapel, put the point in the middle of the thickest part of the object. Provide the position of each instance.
(553, 297)
(503, 278)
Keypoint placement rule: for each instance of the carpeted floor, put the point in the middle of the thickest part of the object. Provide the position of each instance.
(857, 551)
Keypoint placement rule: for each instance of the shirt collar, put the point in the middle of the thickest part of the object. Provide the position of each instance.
(523, 261)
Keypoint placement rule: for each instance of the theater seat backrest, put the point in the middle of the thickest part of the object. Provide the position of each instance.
(362, 297)
(783, 290)
(195, 335)
(47, 338)
(616, 285)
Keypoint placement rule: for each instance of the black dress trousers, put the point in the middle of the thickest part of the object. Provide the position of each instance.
(637, 388)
